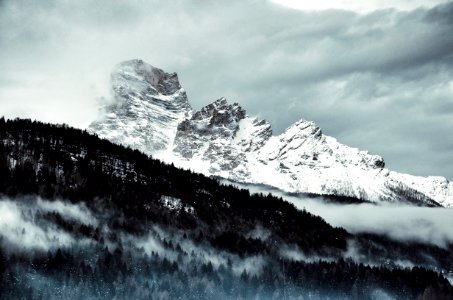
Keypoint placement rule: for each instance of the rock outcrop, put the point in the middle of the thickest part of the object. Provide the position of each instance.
(152, 114)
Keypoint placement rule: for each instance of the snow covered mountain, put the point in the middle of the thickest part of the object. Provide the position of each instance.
(151, 113)
(148, 108)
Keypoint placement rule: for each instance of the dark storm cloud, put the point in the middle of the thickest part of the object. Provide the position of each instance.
(381, 81)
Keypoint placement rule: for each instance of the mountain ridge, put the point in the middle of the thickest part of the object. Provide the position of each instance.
(84, 218)
(222, 140)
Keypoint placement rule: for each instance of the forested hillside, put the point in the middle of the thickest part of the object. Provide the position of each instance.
(125, 225)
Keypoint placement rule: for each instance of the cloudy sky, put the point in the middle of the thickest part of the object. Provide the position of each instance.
(377, 75)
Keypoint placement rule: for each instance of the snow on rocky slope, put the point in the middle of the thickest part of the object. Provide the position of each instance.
(151, 113)
(149, 104)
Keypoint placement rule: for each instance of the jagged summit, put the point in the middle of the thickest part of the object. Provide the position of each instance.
(220, 112)
(149, 104)
(155, 80)
(152, 113)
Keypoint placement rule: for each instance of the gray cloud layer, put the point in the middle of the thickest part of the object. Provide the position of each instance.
(398, 222)
(381, 81)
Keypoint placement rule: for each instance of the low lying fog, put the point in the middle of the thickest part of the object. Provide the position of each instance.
(24, 226)
(22, 223)
(399, 222)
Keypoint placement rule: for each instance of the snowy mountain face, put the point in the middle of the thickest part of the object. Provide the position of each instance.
(149, 105)
(152, 114)
(220, 137)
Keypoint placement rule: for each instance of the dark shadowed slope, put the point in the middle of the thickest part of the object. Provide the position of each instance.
(82, 217)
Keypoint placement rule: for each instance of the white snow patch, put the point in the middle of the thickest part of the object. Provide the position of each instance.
(176, 204)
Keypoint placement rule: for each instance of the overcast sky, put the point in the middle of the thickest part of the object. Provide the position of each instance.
(377, 75)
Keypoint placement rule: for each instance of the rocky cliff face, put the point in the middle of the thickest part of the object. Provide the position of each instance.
(149, 104)
(151, 113)
(220, 134)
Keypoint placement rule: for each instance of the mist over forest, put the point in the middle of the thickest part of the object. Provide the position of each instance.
(332, 123)
(84, 218)
(400, 222)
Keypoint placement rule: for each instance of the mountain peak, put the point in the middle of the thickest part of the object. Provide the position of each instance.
(152, 114)
(136, 71)
(221, 113)
(149, 105)
(303, 128)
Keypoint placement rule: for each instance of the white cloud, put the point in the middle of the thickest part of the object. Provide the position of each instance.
(22, 225)
(79, 213)
(399, 222)
(357, 5)
(403, 223)
(19, 229)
